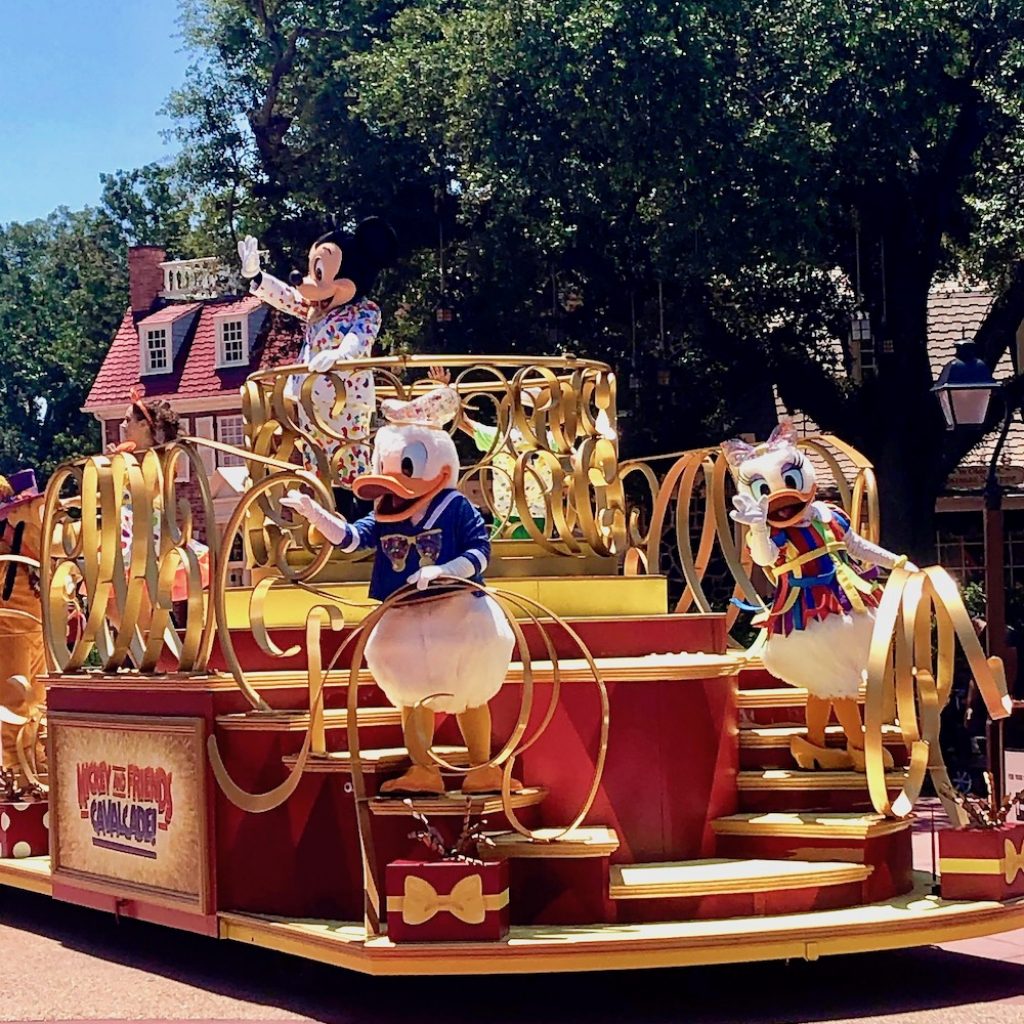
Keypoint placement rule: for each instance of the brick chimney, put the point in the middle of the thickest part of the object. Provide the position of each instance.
(145, 278)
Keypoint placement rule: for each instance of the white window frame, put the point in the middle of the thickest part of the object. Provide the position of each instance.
(236, 420)
(222, 323)
(145, 333)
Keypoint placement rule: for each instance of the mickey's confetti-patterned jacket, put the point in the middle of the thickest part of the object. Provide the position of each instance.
(352, 329)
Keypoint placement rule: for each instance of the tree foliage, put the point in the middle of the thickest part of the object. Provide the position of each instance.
(700, 192)
(63, 291)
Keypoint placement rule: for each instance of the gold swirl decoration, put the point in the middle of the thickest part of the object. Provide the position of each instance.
(122, 538)
(687, 506)
(551, 465)
(919, 623)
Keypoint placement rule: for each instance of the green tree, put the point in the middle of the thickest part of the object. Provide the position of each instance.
(736, 155)
(63, 287)
(701, 192)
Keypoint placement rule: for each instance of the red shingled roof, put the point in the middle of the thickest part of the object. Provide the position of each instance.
(194, 374)
(168, 314)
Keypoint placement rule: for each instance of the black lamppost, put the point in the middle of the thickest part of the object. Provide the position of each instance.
(964, 390)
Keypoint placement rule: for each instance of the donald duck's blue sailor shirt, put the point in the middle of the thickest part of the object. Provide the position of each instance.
(450, 527)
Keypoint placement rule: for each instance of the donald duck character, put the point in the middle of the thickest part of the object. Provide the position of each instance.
(822, 615)
(448, 651)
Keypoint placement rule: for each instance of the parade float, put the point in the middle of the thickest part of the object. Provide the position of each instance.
(633, 789)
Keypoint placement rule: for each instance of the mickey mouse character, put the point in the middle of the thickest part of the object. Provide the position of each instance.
(341, 324)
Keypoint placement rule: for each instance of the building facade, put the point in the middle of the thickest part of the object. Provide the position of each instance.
(189, 338)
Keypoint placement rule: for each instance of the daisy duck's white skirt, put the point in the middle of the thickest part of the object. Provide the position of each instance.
(827, 658)
(459, 646)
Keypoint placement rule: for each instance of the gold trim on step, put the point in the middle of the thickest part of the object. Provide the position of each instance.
(723, 877)
(810, 824)
(580, 843)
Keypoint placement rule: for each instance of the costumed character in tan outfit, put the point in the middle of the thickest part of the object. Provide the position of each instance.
(22, 661)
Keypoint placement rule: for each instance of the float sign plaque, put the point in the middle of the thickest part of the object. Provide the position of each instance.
(129, 796)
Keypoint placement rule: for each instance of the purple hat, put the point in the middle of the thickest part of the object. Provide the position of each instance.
(17, 489)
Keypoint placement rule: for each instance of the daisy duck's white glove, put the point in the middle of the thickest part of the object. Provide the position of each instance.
(249, 254)
(750, 512)
(871, 554)
(334, 528)
(753, 513)
(462, 567)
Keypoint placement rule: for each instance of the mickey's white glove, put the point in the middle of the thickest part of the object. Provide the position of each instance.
(249, 254)
(334, 528)
(462, 567)
(750, 511)
(324, 361)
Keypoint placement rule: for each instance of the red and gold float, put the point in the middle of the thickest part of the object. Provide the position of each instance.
(221, 765)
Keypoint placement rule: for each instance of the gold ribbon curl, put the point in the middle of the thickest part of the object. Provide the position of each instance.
(904, 675)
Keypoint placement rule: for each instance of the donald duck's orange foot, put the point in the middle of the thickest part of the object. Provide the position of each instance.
(418, 779)
(487, 780)
(809, 756)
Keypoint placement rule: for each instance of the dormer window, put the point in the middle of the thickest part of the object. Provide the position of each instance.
(155, 350)
(232, 342)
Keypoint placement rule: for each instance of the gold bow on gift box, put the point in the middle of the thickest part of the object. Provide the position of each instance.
(466, 902)
(1009, 865)
(1013, 860)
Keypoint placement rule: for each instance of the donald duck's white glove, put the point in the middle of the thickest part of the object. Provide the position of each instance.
(461, 567)
(334, 528)
(249, 254)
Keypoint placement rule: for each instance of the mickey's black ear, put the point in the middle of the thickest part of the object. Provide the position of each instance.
(377, 242)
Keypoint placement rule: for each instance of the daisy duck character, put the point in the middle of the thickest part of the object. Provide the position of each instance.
(341, 324)
(450, 650)
(822, 615)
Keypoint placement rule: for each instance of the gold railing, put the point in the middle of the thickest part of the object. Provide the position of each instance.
(551, 466)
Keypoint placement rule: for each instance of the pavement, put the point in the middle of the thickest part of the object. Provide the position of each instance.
(60, 962)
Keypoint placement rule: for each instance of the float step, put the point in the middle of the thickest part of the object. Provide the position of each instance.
(298, 721)
(550, 844)
(767, 746)
(784, 779)
(569, 596)
(455, 803)
(776, 697)
(384, 760)
(719, 877)
(755, 735)
(780, 789)
(809, 825)
(854, 837)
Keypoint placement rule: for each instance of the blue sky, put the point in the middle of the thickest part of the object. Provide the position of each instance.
(81, 82)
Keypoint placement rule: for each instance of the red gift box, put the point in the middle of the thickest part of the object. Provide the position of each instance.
(982, 864)
(446, 901)
(24, 828)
